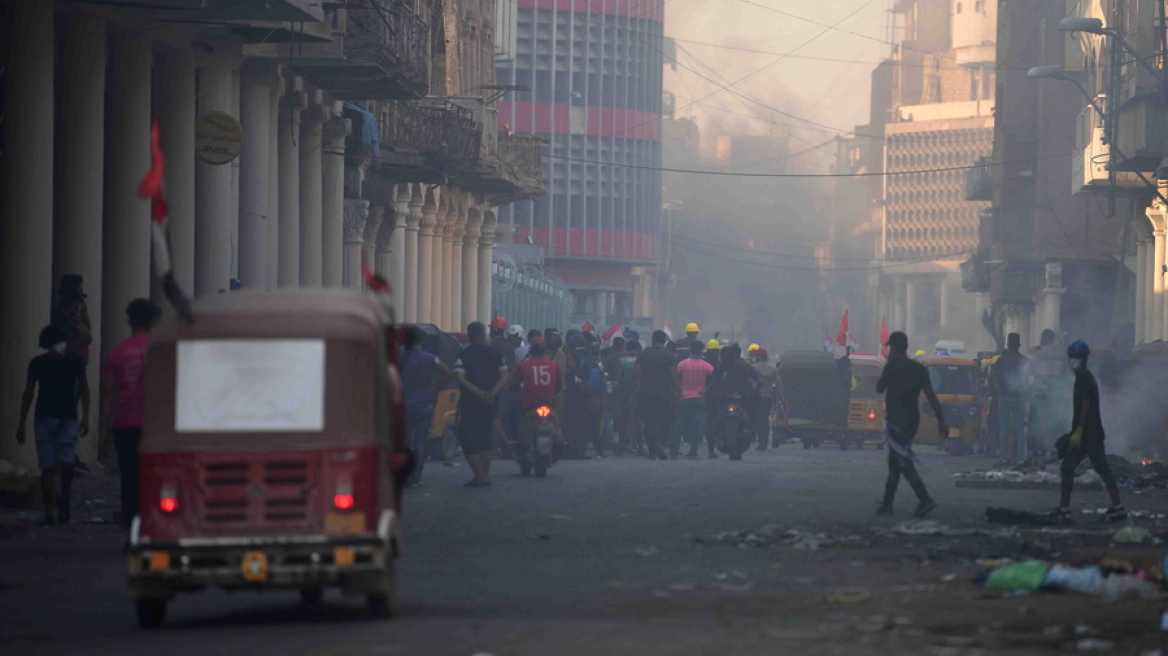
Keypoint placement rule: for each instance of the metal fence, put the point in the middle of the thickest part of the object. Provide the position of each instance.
(528, 295)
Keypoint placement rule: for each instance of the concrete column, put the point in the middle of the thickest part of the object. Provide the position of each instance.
(1141, 296)
(311, 188)
(912, 299)
(356, 214)
(470, 268)
(899, 292)
(397, 246)
(438, 268)
(126, 236)
(946, 315)
(1158, 282)
(254, 214)
(26, 208)
(486, 250)
(426, 260)
(213, 207)
(411, 281)
(291, 105)
(175, 75)
(385, 259)
(369, 239)
(333, 199)
(456, 316)
(273, 223)
(448, 298)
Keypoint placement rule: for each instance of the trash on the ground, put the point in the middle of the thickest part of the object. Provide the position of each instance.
(1085, 629)
(1018, 517)
(646, 552)
(949, 578)
(1132, 535)
(1062, 578)
(1094, 644)
(929, 527)
(772, 535)
(1118, 586)
(661, 594)
(734, 587)
(848, 597)
(682, 586)
(1026, 576)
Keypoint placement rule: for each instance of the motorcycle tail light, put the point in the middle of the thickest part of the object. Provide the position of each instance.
(168, 497)
(343, 499)
(732, 408)
(543, 411)
(871, 414)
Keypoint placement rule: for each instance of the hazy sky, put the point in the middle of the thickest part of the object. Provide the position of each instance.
(830, 93)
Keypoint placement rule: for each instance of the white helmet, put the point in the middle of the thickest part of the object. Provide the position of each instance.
(515, 330)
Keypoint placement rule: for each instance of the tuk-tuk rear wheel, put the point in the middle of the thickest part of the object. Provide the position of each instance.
(151, 613)
(312, 596)
(379, 605)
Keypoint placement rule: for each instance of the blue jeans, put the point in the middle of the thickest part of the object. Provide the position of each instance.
(1012, 415)
(691, 423)
(56, 441)
(418, 417)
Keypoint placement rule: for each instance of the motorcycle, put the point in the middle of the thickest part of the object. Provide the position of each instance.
(536, 450)
(733, 427)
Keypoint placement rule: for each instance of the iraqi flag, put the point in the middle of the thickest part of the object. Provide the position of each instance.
(884, 338)
(841, 334)
(610, 333)
(828, 344)
(151, 187)
(668, 331)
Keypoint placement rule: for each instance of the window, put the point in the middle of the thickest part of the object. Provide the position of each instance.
(979, 6)
(958, 10)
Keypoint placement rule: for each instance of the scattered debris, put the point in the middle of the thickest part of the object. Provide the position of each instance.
(1018, 517)
(646, 552)
(1132, 535)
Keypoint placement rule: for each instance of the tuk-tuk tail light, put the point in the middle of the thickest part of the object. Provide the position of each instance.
(343, 498)
(871, 414)
(168, 497)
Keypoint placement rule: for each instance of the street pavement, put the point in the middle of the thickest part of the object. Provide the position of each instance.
(620, 556)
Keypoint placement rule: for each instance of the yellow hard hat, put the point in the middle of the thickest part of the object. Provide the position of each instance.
(692, 328)
(753, 347)
(713, 345)
(919, 353)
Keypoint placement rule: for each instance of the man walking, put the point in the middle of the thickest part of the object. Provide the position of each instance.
(481, 373)
(418, 369)
(694, 374)
(1086, 438)
(655, 378)
(1009, 385)
(121, 400)
(902, 382)
(57, 380)
(768, 383)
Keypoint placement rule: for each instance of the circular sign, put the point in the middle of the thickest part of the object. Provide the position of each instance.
(218, 138)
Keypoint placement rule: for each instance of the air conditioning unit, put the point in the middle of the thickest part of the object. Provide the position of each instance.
(1091, 165)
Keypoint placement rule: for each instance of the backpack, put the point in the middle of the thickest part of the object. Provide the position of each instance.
(588, 377)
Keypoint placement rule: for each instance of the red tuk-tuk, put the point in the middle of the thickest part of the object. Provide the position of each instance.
(268, 452)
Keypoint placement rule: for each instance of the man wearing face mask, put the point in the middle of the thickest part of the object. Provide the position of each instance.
(57, 379)
(1085, 439)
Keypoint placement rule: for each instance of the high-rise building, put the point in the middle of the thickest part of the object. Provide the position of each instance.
(590, 80)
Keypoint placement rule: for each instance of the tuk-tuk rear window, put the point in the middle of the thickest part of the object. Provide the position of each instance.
(954, 379)
(234, 385)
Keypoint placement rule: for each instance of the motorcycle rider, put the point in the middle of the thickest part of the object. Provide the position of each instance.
(768, 378)
(540, 381)
(735, 377)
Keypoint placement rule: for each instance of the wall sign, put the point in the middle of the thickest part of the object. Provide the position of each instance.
(218, 138)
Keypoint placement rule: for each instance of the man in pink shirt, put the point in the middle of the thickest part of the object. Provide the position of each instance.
(121, 402)
(694, 372)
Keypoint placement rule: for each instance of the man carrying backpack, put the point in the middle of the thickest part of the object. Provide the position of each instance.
(585, 401)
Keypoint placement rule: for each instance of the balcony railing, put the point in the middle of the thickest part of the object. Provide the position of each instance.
(445, 135)
(979, 183)
(524, 154)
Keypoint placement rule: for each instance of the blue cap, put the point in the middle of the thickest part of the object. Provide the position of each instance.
(1078, 349)
(235, 284)
(632, 334)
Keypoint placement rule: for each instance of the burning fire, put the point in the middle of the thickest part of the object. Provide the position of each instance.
(1145, 462)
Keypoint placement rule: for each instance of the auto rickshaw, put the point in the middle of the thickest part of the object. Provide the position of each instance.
(270, 454)
(957, 383)
(815, 392)
(865, 405)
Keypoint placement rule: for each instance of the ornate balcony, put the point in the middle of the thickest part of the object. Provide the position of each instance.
(523, 155)
(428, 140)
(382, 53)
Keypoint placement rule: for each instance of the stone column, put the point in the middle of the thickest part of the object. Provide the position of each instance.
(369, 240)
(457, 320)
(175, 79)
(447, 297)
(333, 199)
(384, 258)
(1052, 299)
(899, 292)
(126, 233)
(291, 105)
(213, 213)
(397, 246)
(254, 215)
(1158, 260)
(470, 268)
(486, 250)
(273, 223)
(438, 268)
(356, 213)
(1142, 267)
(426, 259)
(26, 193)
(911, 308)
(411, 281)
(311, 187)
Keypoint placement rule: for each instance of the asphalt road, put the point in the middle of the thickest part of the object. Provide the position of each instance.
(617, 557)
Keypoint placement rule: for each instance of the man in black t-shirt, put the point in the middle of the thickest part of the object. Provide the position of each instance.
(1086, 438)
(902, 382)
(481, 374)
(656, 383)
(60, 376)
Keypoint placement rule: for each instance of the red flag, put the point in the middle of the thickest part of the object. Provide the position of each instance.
(611, 332)
(151, 185)
(841, 335)
(884, 338)
(372, 280)
(587, 328)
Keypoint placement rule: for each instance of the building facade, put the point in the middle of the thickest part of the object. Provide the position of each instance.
(365, 134)
(589, 80)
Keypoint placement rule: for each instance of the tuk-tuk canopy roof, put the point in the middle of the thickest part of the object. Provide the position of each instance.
(964, 362)
(309, 313)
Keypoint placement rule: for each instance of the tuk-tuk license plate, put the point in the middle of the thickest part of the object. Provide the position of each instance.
(348, 523)
(954, 432)
(255, 566)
